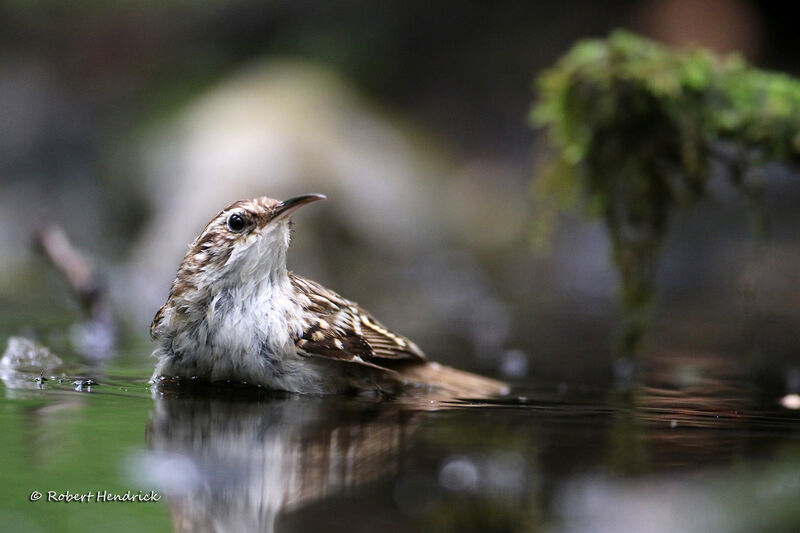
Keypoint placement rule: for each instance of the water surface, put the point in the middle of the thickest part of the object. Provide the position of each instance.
(690, 451)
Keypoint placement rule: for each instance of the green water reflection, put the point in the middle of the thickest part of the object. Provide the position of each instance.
(61, 440)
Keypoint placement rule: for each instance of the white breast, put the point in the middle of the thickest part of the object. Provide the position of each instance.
(245, 335)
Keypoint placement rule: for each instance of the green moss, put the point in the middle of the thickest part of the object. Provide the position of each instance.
(634, 128)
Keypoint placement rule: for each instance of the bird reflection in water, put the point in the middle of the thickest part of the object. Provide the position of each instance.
(233, 463)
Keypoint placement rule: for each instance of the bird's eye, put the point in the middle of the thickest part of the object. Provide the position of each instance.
(236, 223)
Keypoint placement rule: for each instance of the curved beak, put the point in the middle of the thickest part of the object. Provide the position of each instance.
(287, 207)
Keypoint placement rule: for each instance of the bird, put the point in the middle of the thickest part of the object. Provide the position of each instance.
(236, 314)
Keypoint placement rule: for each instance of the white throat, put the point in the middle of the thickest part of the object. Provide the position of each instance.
(260, 258)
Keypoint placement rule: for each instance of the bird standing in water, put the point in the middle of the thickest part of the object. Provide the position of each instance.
(235, 313)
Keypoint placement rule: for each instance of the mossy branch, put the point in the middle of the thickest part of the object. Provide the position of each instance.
(635, 128)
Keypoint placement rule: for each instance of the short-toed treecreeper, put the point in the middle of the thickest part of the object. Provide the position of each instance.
(235, 313)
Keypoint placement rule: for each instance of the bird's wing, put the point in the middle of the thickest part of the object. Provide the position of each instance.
(341, 329)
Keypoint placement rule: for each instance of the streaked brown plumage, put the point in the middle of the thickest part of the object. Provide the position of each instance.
(235, 313)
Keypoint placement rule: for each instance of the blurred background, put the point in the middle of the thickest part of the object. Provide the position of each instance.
(131, 124)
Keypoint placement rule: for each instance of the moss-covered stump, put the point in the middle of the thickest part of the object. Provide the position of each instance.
(633, 130)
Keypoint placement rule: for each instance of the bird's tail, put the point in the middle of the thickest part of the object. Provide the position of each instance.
(453, 382)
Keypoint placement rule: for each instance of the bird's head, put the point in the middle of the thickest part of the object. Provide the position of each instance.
(245, 241)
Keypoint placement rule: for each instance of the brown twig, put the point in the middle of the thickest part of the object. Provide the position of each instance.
(86, 285)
